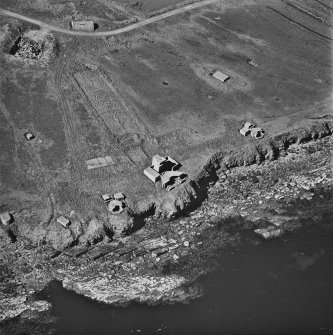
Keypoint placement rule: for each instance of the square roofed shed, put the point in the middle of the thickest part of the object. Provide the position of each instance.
(63, 221)
(152, 174)
(5, 218)
(221, 76)
(119, 196)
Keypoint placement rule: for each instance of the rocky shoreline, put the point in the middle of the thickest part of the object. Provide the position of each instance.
(247, 189)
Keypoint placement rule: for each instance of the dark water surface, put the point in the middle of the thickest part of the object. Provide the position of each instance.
(283, 286)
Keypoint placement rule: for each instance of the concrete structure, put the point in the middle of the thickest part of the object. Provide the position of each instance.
(119, 196)
(106, 197)
(221, 76)
(246, 130)
(165, 168)
(116, 206)
(29, 136)
(83, 25)
(172, 178)
(152, 174)
(175, 165)
(161, 164)
(63, 221)
(157, 163)
(5, 218)
(257, 133)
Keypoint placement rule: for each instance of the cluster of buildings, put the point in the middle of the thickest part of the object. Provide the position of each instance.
(166, 170)
(250, 128)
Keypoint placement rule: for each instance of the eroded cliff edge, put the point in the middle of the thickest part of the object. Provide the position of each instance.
(159, 261)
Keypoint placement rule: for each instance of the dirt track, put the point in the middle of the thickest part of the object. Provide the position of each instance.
(113, 32)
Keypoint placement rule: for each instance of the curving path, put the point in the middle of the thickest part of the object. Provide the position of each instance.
(110, 32)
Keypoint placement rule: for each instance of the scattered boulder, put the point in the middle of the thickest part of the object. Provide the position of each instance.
(269, 232)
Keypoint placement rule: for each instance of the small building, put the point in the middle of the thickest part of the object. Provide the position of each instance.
(246, 130)
(5, 218)
(269, 232)
(157, 163)
(106, 198)
(152, 174)
(83, 25)
(29, 136)
(172, 178)
(63, 221)
(221, 76)
(161, 164)
(257, 133)
(119, 196)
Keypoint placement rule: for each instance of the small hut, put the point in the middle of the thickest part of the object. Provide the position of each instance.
(63, 221)
(83, 25)
(221, 76)
(5, 218)
(119, 196)
(152, 174)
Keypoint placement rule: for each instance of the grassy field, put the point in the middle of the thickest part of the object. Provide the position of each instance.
(151, 92)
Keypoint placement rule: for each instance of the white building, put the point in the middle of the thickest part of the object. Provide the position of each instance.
(5, 218)
(83, 25)
(152, 174)
(106, 197)
(221, 76)
(246, 130)
(119, 196)
(63, 221)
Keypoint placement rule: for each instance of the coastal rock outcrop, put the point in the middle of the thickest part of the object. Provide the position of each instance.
(124, 289)
(177, 201)
(94, 233)
(121, 224)
(59, 236)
